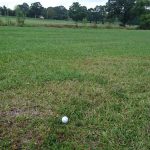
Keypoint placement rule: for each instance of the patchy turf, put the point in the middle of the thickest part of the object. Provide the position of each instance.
(100, 79)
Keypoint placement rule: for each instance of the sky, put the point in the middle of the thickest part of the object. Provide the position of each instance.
(46, 3)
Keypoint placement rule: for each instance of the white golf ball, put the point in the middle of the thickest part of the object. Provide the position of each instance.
(65, 119)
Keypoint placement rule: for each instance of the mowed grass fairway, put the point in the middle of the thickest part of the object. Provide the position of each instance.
(100, 79)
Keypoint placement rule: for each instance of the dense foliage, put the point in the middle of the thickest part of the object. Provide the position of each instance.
(77, 12)
(126, 12)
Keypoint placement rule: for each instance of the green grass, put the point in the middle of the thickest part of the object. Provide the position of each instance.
(100, 79)
(32, 22)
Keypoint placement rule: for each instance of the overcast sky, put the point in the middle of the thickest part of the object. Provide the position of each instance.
(46, 3)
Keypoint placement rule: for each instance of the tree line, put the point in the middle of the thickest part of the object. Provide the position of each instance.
(126, 12)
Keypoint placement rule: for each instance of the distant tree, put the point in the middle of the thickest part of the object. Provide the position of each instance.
(50, 13)
(102, 13)
(121, 9)
(97, 14)
(90, 15)
(83, 12)
(77, 12)
(1, 10)
(142, 12)
(61, 13)
(36, 9)
(20, 16)
(5, 13)
(24, 8)
(44, 13)
(10, 12)
(145, 21)
(142, 7)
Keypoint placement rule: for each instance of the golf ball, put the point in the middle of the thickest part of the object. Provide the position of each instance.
(65, 119)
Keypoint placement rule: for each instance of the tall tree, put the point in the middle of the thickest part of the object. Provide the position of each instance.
(50, 13)
(121, 9)
(142, 12)
(97, 14)
(25, 8)
(77, 12)
(10, 12)
(61, 13)
(5, 13)
(36, 9)
(1, 10)
(90, 16)
(102, 13)
(142, 7)
(44, 13)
